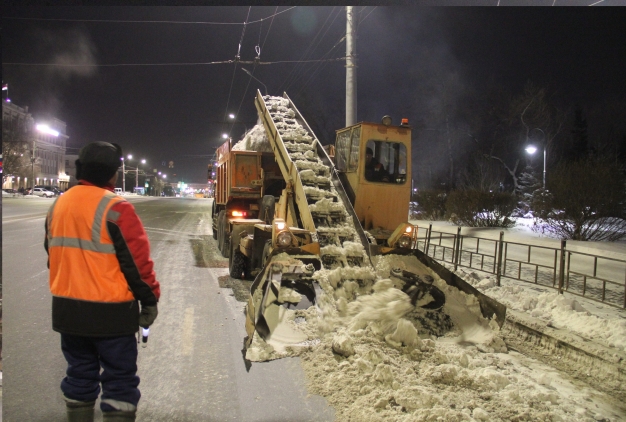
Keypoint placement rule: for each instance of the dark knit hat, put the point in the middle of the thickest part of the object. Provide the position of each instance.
(98, 162)
(103, 153)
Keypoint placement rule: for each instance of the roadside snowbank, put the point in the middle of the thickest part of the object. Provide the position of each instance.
(376, 361)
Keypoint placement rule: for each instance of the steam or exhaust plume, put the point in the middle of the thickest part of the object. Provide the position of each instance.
(71, 48)
(74, 47)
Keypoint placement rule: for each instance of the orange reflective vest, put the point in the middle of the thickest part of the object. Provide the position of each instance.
(82, 259)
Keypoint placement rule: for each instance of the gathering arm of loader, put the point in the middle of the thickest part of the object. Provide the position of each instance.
(490, 308)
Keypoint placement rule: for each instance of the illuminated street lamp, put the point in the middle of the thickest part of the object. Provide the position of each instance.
(43, 128)
(46, 129)
(130, 156)
(137, 174)
(531, 149)
(123, 176)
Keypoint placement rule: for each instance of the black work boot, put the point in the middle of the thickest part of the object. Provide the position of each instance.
(119, 416)
(79, 411)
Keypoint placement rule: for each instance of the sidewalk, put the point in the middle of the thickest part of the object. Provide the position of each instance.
(573, 333)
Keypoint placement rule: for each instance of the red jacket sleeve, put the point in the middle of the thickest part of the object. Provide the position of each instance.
(133, 252)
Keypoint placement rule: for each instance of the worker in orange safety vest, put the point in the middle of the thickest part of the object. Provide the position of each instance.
(100, 274)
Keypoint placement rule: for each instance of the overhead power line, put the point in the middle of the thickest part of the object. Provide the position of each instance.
(292, 77)
(258, 48)
(160, 21)
(171, 64)
(237, 57)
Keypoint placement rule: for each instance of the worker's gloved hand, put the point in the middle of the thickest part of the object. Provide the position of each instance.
(148, 315)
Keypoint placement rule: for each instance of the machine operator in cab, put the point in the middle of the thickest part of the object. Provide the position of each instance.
(374, 170)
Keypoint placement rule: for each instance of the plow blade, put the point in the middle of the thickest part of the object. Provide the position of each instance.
(282, 286)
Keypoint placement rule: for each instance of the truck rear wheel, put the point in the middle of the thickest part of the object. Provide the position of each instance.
(221, 219)
(225, 249)
(237, 263)
(213, 217)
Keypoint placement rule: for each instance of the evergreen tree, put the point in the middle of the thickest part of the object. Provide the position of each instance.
(528, 184)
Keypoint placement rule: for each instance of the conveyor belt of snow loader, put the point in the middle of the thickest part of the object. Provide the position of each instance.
(291, 172)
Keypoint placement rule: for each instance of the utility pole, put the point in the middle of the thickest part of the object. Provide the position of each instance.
(32, 162)
(350, 68)
(123, 176)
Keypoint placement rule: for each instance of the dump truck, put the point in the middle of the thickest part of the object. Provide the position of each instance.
(335, 210)
(242, 179)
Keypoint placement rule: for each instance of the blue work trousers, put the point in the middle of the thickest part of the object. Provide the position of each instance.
(117, 356)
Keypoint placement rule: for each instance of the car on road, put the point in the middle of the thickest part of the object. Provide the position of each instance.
(10, 192)
(43, 192)
(53, 189)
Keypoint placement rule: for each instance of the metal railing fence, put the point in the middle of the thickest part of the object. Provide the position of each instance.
(595, 277)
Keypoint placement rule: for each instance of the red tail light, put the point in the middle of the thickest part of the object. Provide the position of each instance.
(239, 213)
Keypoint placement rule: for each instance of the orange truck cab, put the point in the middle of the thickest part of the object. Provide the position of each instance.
(374, 164)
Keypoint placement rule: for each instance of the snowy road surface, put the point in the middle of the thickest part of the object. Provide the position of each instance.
(193, 367)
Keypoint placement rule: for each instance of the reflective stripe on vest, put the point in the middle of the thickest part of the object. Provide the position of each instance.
(96, 227)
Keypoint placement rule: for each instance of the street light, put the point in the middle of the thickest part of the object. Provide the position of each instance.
(123, 176)
(43, 128)
(531, 149)
(252, 76)
(137, 174)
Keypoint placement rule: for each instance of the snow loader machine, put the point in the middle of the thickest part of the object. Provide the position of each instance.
(336, 208)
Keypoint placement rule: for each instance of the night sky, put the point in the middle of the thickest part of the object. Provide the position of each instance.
(165, 100)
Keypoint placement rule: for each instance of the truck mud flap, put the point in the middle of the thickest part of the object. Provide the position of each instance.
(265, 290)
(490, 308)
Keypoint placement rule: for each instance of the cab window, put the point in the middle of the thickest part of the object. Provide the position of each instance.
(347, 149)
(341, 150)
(385, 162)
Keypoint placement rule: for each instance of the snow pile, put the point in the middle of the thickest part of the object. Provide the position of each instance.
(254, 140)
(402, 376)
(376, 361)
(556, 310)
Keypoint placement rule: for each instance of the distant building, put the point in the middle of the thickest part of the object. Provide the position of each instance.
(70, 168)
(40, 144)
